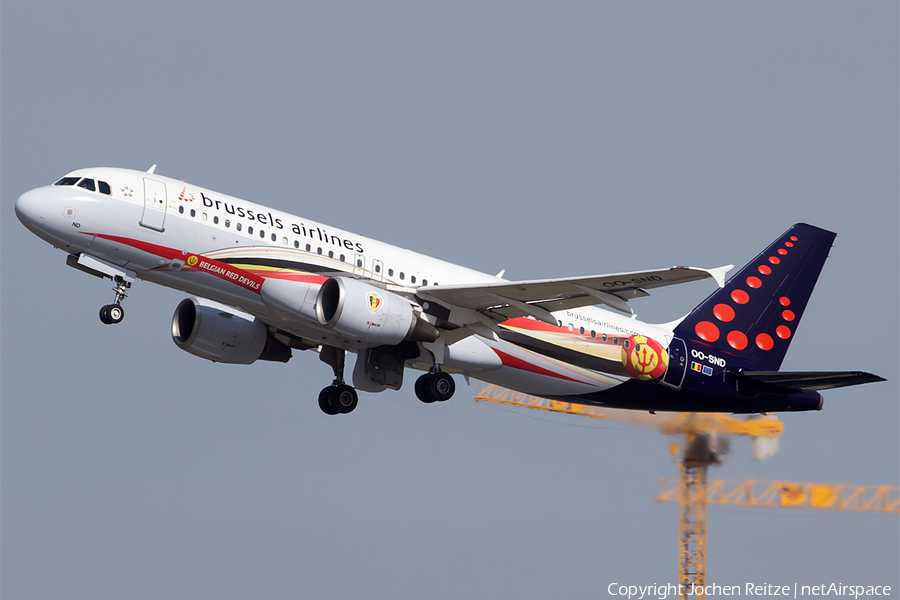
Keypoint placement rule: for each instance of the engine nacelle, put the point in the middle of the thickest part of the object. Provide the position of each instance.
(215, 332)
(364, 312)
(290, 299)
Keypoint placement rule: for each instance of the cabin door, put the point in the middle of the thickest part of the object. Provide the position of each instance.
(674, 376)
(155, 202)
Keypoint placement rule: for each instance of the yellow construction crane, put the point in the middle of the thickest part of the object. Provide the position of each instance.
(701, 448)
(786, 494)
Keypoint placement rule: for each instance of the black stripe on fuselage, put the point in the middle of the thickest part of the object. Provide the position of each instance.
(572, 357)
(275, 263)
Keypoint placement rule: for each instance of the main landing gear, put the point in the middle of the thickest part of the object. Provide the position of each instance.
(435, 386)
(114, 313)
(338, 398)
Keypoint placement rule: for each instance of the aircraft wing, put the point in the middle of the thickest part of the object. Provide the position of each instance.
(538, 298)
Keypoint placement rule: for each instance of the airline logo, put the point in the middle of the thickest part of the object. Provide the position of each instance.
(185, 197)
(374, 301)
(644, 358)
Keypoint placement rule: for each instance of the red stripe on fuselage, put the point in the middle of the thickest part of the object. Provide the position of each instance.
(517, 363)
(222, 270)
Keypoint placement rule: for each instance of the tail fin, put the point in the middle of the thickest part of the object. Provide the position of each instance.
(755, 315)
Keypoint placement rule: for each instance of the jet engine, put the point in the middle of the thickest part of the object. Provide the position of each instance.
(215, 332)
(364, 312)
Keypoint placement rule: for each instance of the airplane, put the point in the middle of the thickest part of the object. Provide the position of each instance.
(263, 283)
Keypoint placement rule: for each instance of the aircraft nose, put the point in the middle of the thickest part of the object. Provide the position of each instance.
(32, 206)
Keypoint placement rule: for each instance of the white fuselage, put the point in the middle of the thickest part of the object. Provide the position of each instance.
(150, 225)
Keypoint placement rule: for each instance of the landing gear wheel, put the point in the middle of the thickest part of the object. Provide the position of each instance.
(344, 399)
(422, 389)
(441, 386)
(325, 401)
(112, 314)
(115, 313)
(435, 387)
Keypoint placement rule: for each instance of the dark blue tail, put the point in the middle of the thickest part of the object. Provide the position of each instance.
(754, 317)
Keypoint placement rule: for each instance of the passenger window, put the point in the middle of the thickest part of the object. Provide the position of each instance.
(193, 213)
(237, 226)
(342, 258)
(390, 272)
(216, 219)
(402, 276)
(250, 230)
(203, 216)
(571, 327)
(227, 223)
(87, 184)
(593, 333)
(359, 262)
(104, 188)
(296, 244)
(319, 250)
(284, 241)
(308, 247)
(616, 341)
(262, 233)
(627, 344)
(412, 279)
(424, 282)
(330, 254)
(181, 210)
(581, 330)
(378, 268)
(274, 237)
(604, 337)
(67, 181)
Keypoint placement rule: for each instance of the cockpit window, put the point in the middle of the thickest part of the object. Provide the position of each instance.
(104, 188)
(87, 184)
(67, 181)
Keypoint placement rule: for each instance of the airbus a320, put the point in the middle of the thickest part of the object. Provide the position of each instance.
(264, 283)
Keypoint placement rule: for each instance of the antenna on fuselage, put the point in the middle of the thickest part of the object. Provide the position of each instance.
(152, 169)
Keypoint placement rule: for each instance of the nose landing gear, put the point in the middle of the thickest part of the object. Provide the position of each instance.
(113, 313)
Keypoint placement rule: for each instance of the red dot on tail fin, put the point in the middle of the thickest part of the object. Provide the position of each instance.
(706, 331)
(740, 296)
(723, 312)
(764, 341)
(737, 340)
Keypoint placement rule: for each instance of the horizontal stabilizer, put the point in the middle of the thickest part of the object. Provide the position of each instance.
(804, 381)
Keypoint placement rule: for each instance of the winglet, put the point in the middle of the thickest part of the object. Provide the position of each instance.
(152, 169)
(718, 273)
